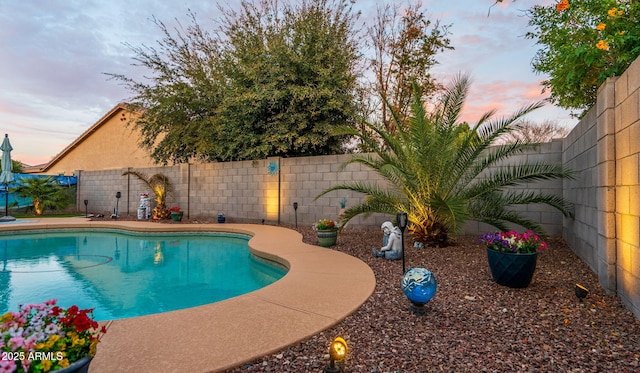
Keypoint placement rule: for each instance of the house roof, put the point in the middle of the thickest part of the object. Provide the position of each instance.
(46, 166)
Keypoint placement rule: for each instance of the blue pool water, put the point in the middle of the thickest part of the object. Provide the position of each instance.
(126, 275)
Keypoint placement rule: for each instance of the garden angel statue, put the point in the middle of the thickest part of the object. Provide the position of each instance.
(391, 242)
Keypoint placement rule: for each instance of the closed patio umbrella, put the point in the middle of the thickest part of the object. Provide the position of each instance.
(6, 176)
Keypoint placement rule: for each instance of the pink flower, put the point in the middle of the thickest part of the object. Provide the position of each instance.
(16, 343)
(8, 366)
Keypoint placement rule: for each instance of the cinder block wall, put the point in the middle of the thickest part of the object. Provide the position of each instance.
(99, 188)
(604, 148)
(253, 191)
(579, 154)
(245, 191)
(626, 232)
(303, 178)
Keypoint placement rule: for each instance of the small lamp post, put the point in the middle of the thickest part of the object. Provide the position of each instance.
(401, 218)
(118, 195)
(295, 210)
(86, 208)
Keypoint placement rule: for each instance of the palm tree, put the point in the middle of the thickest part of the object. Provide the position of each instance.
(44, 192)
(438, 170)
(161, 188)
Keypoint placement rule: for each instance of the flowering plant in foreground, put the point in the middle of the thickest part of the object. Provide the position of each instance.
(45, 337)
(513, 242)
(325, 225)
(174, 209)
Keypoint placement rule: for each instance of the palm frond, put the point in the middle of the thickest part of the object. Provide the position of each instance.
(141, 176)
(501, 221)
(453, 101)
(370, 190)
(159, 184)
(514, 198)
(515, 175)
(369, 206)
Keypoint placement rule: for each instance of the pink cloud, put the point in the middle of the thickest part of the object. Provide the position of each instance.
(471, 40)
(503, 96)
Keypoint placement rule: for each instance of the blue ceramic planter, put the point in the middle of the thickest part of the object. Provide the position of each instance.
(512, 270)
(80, 366)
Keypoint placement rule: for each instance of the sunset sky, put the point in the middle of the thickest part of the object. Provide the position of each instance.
(55, 53)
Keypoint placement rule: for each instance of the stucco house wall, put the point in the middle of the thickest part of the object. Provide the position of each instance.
(108, 144)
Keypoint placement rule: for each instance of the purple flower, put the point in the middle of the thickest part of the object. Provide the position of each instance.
(513, 242)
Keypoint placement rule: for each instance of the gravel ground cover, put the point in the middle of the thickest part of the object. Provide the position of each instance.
(472, 324)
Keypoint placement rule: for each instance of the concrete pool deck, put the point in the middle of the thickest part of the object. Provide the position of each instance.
(321, 288)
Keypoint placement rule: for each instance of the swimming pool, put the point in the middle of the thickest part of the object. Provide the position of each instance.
(125, 275)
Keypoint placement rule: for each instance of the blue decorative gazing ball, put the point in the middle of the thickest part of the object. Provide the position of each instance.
(419, 285)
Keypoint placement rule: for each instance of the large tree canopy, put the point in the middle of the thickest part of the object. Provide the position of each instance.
(274, 79)
(291, 78)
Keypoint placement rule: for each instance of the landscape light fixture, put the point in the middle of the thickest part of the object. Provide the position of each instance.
(337, 352)
(401, 218)
(86, 211)
(581, 292)
(295, 210)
